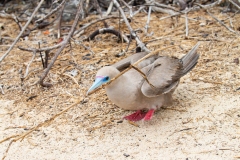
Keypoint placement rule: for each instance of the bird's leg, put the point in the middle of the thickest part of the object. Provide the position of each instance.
(149, 115)
(137, 116)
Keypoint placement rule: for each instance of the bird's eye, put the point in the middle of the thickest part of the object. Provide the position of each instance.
(106, 78)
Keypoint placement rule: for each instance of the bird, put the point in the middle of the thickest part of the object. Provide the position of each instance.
(149, 92)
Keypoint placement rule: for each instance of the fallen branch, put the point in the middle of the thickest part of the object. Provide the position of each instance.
(41, 49)
(52, 12)
(89, 24)
(22, 31)
(237, 6)
(186, 24)
(108, 30)
(133, 34)
(64, 43)
(230, 29)
(148, 20)
(27, 68)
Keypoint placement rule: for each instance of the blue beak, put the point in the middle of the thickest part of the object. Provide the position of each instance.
(98, 82)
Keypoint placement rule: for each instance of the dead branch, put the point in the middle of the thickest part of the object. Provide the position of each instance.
(64, 43)
(11, 16)
(78, 43)
(96, 5)
(109, 9)
(186, 24)
(1, 88)
(191, 9)
(41, 55)
(89, 24)
(122, 53)
(52, 12)
(22, 31)
(156, 4)
(234, 4)
(41, 49)
(148, 20)
(140, 44)
(60, 44)
(27, 68)
(230, 29)
(128, 6)
(46, 58)
(136, 12)
(6, 152)
(60, 21)
(157, 7)
(107, 30)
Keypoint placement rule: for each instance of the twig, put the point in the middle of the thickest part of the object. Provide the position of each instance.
(89, 24)
(122, 53)
(148, 20)
(52, 12)
(144, 76)
(22, 31)
(1, 87)
(230, 29)
(234, 4)
(42, 49)
(60, 44)
(41, 55)
(46, 58)
(107, 30)
(64, 43)
(139, 42)
(156, 39)
(191, 9)
(109, 9)
(60, 21)
(74, 80)
(96, 4)
(6, 152)
(129, 7)
(0, 34)
(27, 69)
(161, 8)
(17, 21)
(186, 24)
(78, 43)
(136, 12)
(5, 15)
(165, 6)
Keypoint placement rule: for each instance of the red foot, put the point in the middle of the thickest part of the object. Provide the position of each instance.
(137, 116)
(149, 115)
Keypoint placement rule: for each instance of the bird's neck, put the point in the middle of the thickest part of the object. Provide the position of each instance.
(117, 91)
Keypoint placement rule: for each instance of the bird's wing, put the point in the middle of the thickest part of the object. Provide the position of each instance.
(164, 75)
(125, 63)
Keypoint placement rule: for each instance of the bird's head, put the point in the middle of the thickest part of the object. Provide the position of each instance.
(103, 76)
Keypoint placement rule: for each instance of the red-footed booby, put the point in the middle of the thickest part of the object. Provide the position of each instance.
(131, 91)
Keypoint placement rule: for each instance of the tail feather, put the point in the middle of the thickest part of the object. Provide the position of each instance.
(190, 60)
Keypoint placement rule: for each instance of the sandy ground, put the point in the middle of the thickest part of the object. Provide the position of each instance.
(203, 123)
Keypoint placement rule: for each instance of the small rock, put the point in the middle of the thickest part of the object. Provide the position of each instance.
(126, 155)
(236, 60)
